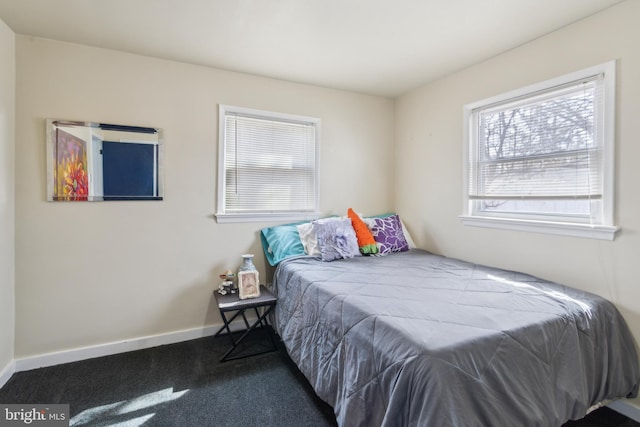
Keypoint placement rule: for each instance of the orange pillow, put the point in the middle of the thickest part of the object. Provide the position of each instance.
(366, 242)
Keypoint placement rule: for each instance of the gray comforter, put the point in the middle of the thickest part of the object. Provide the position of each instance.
(416, 339)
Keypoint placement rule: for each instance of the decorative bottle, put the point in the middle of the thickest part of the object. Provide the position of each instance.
(247, 263)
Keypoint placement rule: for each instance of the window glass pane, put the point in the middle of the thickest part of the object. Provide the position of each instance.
(540, 147)
(577, 208)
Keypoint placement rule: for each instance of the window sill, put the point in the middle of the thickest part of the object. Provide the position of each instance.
(266, 217)
(601, 232)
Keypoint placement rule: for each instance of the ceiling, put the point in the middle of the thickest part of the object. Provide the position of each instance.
(378, 47)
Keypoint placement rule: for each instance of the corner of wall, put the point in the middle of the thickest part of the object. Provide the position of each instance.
(7, 200)
(7, 372)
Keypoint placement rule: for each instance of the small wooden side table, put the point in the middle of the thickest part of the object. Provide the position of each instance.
(232, 302)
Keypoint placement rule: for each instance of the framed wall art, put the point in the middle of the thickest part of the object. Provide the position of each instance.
(90, 161)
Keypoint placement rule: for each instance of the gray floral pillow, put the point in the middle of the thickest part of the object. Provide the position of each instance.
(388, 234)
(336, 239)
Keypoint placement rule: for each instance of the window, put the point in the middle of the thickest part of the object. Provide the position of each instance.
(267, 166)
(541, 158)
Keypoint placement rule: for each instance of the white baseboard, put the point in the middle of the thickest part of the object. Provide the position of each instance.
(626, 408)
(74, 355)
(7, 372)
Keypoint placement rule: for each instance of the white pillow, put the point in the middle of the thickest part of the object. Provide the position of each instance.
(309, 239)
(407, 236)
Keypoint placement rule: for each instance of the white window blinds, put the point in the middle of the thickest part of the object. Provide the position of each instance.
(269, 163)
(546, 146)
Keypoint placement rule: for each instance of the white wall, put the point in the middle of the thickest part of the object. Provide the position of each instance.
(429, 157)
(94, 273)
(7, 199)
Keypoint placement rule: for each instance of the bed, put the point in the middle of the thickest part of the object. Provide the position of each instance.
(418, 339)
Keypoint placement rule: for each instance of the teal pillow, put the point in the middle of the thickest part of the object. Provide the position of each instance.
(384, 215)
(281, 241)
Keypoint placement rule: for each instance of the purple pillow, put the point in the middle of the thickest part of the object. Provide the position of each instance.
(388, 234)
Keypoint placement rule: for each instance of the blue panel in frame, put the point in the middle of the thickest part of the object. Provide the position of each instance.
(129, 171)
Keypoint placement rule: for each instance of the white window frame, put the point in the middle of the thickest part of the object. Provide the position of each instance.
(602, 226)
(222, 215)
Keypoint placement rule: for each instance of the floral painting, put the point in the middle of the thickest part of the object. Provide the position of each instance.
(71, 182)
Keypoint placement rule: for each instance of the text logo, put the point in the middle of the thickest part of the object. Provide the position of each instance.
(34, 415)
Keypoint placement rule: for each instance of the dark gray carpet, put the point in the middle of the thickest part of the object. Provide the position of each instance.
(185, 385)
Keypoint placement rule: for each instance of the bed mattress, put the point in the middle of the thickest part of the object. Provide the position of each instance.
(417, 339)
